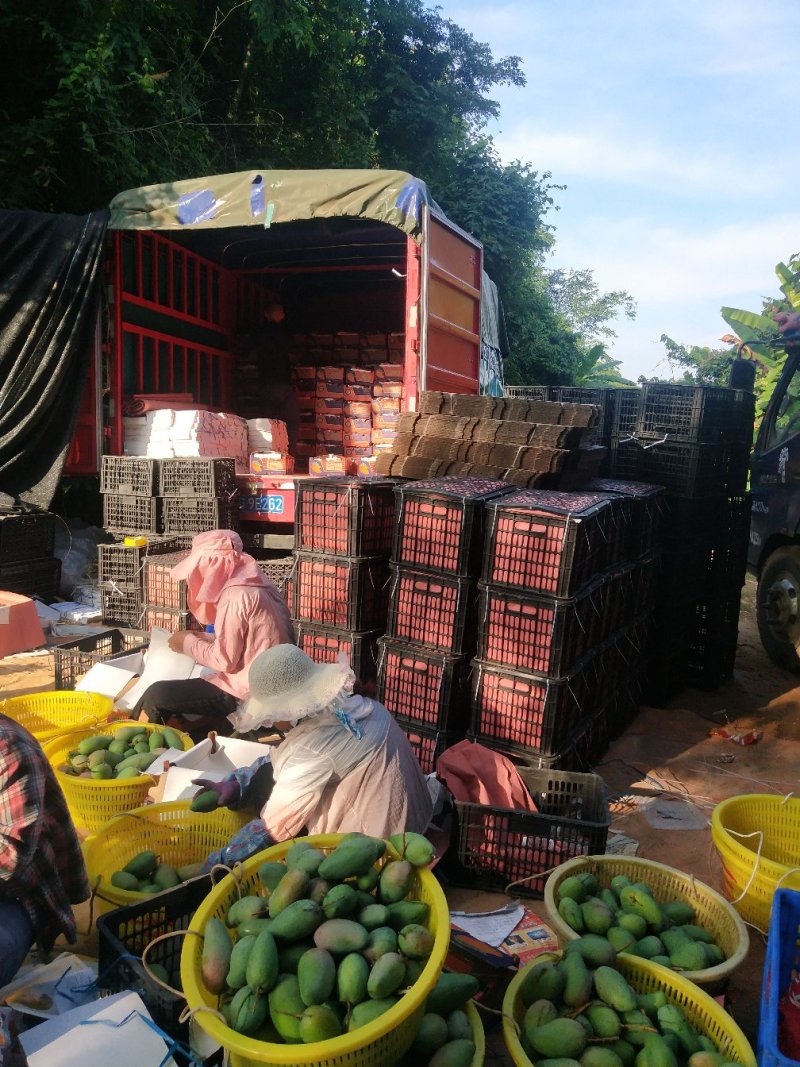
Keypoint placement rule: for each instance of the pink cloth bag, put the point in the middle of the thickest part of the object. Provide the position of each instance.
(475, 774)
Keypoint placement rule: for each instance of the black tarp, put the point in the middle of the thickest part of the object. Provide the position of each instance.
(50, 286)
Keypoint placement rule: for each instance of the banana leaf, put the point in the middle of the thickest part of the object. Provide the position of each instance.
(790, 284)
(755, 330)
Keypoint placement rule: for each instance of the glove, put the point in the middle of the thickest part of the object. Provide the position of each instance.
(227, 790)
(252, 838)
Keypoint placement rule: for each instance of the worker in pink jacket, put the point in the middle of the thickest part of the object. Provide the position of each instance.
(226, 589)
(344, 765)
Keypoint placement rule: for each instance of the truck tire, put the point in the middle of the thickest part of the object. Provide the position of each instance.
(778, 607)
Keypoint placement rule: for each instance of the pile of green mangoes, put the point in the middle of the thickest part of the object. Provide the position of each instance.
(581, 1012)
(329, 944)
(633, 921)
(145, 874)
(126, 753)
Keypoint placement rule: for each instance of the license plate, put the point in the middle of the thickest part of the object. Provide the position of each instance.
(271, 504)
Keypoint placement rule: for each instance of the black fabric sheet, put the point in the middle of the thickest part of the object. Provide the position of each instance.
(50, 286)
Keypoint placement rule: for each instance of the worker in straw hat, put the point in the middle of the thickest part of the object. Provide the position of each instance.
(344, 764)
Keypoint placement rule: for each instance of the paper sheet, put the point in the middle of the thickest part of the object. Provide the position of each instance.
(106, 679)
(200, 762)
(82, 1038)
(492, 928)
(163, 665)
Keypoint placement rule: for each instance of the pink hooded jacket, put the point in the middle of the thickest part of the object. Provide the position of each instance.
(227, 588)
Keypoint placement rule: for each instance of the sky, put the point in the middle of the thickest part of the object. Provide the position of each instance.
(672, 127)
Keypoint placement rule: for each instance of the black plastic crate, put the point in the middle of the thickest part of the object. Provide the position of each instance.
(492, 847)
(625, 411)
(604, 398)
(579, 751)
(530, 715)
(530, 392)
(696, 414)
(159, 587)
(694, 470)
(423, 686)
(664, 674)
(324, 643)
(279, 570)
(350, 594)
(26, 535)
(129, 475)
(717, 522)
(426, 744)
(345, 516)
(125, 932)
(73, 659)
(440, 523)
(197, 476)
(646, 508)
(541, 634)
(191, 515)
(432, 610)
(625, 461)
(124, 564)
(123, 606)
(550, 541)
(168, 619)
(32, 577)
(134, 514)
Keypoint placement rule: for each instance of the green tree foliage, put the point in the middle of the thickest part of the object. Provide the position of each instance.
(97, 96)
(697, 365)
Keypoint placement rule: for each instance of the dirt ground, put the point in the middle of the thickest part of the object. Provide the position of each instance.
(665, 753)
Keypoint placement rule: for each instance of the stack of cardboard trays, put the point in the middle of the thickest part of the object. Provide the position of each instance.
(530, 443)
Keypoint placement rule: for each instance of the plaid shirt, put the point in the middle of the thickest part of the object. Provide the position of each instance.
(41, 863)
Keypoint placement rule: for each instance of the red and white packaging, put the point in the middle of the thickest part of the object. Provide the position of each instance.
(271, 463)
(331, 463)
(386, 389)
(385, 405)
(366, 466)
(388, 372)
(358, 409)
(355, 393)
(358, 376)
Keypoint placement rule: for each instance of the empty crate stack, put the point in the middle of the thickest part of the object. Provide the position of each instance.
(431, 628)
(619, 408)
(561, 612)
(343, 529)
(181, 496)
(198, 494)
(695, 441)
(27, 563)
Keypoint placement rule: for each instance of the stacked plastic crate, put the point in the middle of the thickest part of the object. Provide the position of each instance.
(181, 496)
(27, 563)
(431, 629)
(121, 573)
(695, 441)
(619, 408)
(198, 494)
(165, 599)
(562, 619)
(339, 589)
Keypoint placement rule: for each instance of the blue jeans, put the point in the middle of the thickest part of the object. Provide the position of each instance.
(16, 937)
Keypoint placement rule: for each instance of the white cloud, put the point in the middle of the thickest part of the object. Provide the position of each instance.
(613, 153)
(679, 276)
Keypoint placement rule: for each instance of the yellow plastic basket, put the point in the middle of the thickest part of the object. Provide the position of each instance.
(701, 1010)
(172, 830)
(711, 909)
(478, 1036)
(92, 802)
(382, 1042)
(757, 836)
(47, 715)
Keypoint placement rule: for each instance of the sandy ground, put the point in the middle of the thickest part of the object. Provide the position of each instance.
(665, 753)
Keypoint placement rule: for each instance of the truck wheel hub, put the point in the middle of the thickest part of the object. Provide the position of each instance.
(783, 607)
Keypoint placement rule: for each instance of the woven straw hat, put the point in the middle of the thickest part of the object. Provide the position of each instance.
(287, 684)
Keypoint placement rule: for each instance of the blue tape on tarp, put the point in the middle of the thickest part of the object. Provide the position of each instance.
(197, 207)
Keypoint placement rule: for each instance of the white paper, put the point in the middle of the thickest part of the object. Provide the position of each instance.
(162, 665)
(200, 762)
(491, 928)
(76, 1039)
(105, 679)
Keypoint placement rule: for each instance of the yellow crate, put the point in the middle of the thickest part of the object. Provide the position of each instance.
(91, 801)
(172, 830)
(711, 909)
(382, 1042)
(700, 1009)
(47, 715)
(757, 836)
